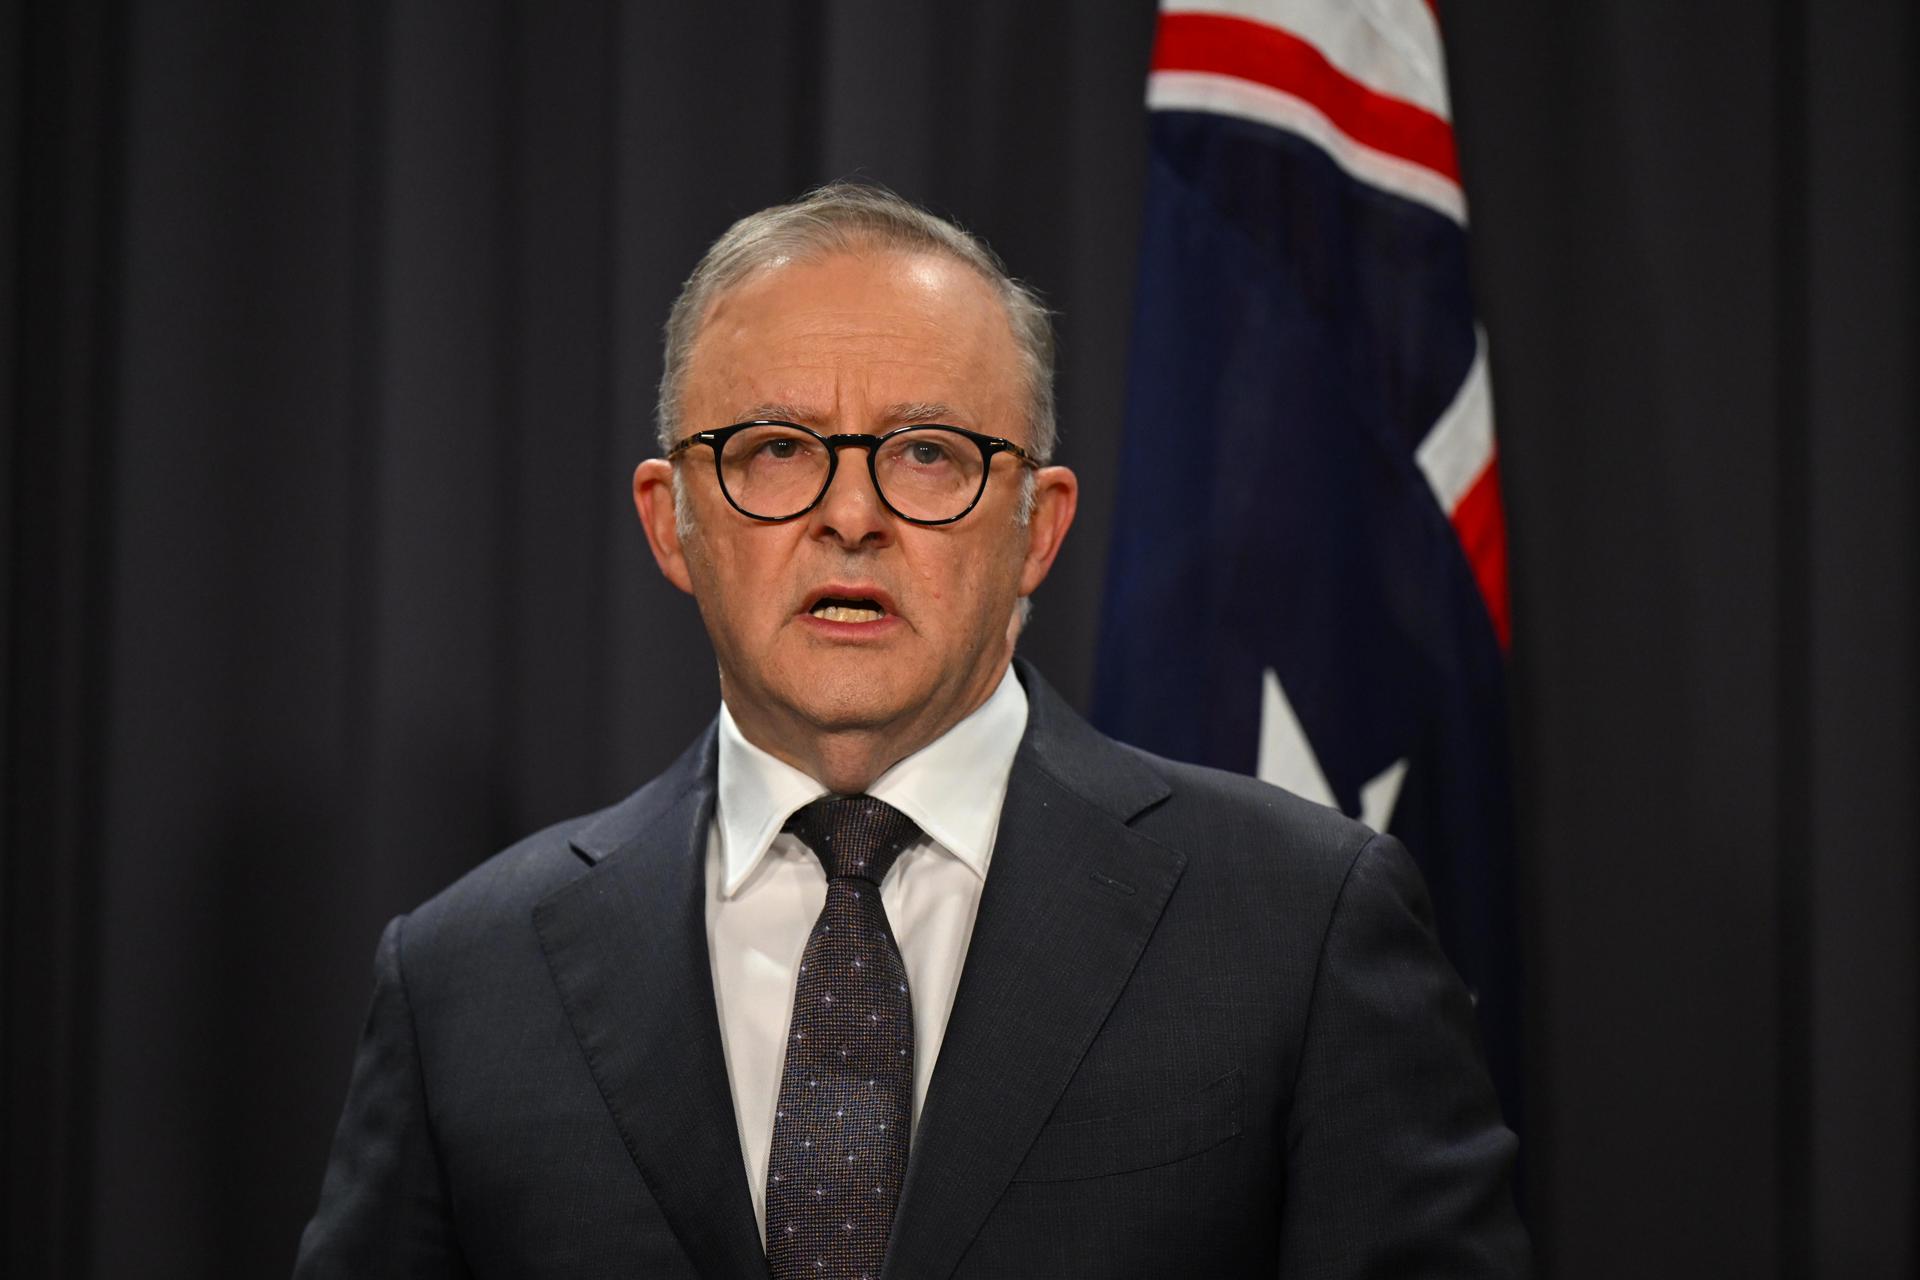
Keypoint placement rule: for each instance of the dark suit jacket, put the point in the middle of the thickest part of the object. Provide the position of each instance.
(1203, 1029)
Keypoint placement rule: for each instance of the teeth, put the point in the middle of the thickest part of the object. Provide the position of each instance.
(844, 613)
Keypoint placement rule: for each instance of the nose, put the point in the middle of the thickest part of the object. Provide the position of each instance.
(850, 512)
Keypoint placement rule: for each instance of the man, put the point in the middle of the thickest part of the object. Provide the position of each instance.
(902, 966)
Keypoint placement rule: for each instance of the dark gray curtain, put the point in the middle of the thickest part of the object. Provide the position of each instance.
(1695, 241)
(330, 340)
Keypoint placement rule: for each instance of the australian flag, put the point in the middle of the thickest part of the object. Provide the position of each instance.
(1308, 576)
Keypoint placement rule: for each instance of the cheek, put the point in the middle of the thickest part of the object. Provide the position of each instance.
(743, 579)
(743, 554)
(964, 586)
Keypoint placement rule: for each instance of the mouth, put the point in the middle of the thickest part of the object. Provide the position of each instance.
(837, 610)
(845, 603)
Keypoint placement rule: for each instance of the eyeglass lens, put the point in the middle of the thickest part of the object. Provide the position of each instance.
(925, 473)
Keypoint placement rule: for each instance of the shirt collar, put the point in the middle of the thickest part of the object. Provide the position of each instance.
(953, 787)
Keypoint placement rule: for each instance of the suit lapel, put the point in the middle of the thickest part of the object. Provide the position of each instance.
(626, 944)
(1071, 898)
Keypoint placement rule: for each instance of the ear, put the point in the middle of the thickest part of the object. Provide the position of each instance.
(1056, 495)
(653, 499)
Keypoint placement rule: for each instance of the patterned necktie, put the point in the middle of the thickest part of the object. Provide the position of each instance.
(840, 1129)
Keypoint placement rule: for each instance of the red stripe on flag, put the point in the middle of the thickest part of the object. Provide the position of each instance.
(1480, 520)
(1248, 50)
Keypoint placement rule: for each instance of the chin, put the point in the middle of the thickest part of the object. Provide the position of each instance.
(849, 710)
(840, 698)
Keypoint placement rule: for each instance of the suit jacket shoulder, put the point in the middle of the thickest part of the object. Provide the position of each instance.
(1293, 1016)
(500, 893)
(523, 1021)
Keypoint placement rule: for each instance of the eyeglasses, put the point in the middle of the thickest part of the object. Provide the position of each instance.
(926, 474)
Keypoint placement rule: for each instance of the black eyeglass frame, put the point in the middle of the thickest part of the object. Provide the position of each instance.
(988, 446)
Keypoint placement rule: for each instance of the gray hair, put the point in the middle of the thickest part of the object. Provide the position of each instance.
(844, 217)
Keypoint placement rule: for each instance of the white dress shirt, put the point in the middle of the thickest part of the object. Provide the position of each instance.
(765, 889)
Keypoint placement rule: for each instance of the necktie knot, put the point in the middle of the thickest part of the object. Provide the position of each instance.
(855, 837)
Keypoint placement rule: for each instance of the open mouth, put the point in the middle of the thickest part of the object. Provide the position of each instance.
(842, 609)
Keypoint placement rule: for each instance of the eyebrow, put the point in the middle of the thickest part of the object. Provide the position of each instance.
(919, 411)
(905, 413)
(774, 410)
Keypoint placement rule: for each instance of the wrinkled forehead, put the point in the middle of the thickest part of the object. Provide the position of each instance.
(845, 334)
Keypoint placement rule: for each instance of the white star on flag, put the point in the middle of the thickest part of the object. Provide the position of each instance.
(1287, 760)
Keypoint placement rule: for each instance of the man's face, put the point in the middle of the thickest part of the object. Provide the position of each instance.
(856, 344)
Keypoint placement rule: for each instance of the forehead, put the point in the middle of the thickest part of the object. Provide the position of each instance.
(841, 338)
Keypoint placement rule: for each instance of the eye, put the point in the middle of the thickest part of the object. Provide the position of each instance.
(771, 445)
(925, 451)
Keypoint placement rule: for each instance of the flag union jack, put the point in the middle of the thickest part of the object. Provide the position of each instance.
(1308, 577)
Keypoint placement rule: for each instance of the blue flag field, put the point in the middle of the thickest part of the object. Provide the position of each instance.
(1308, 576)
